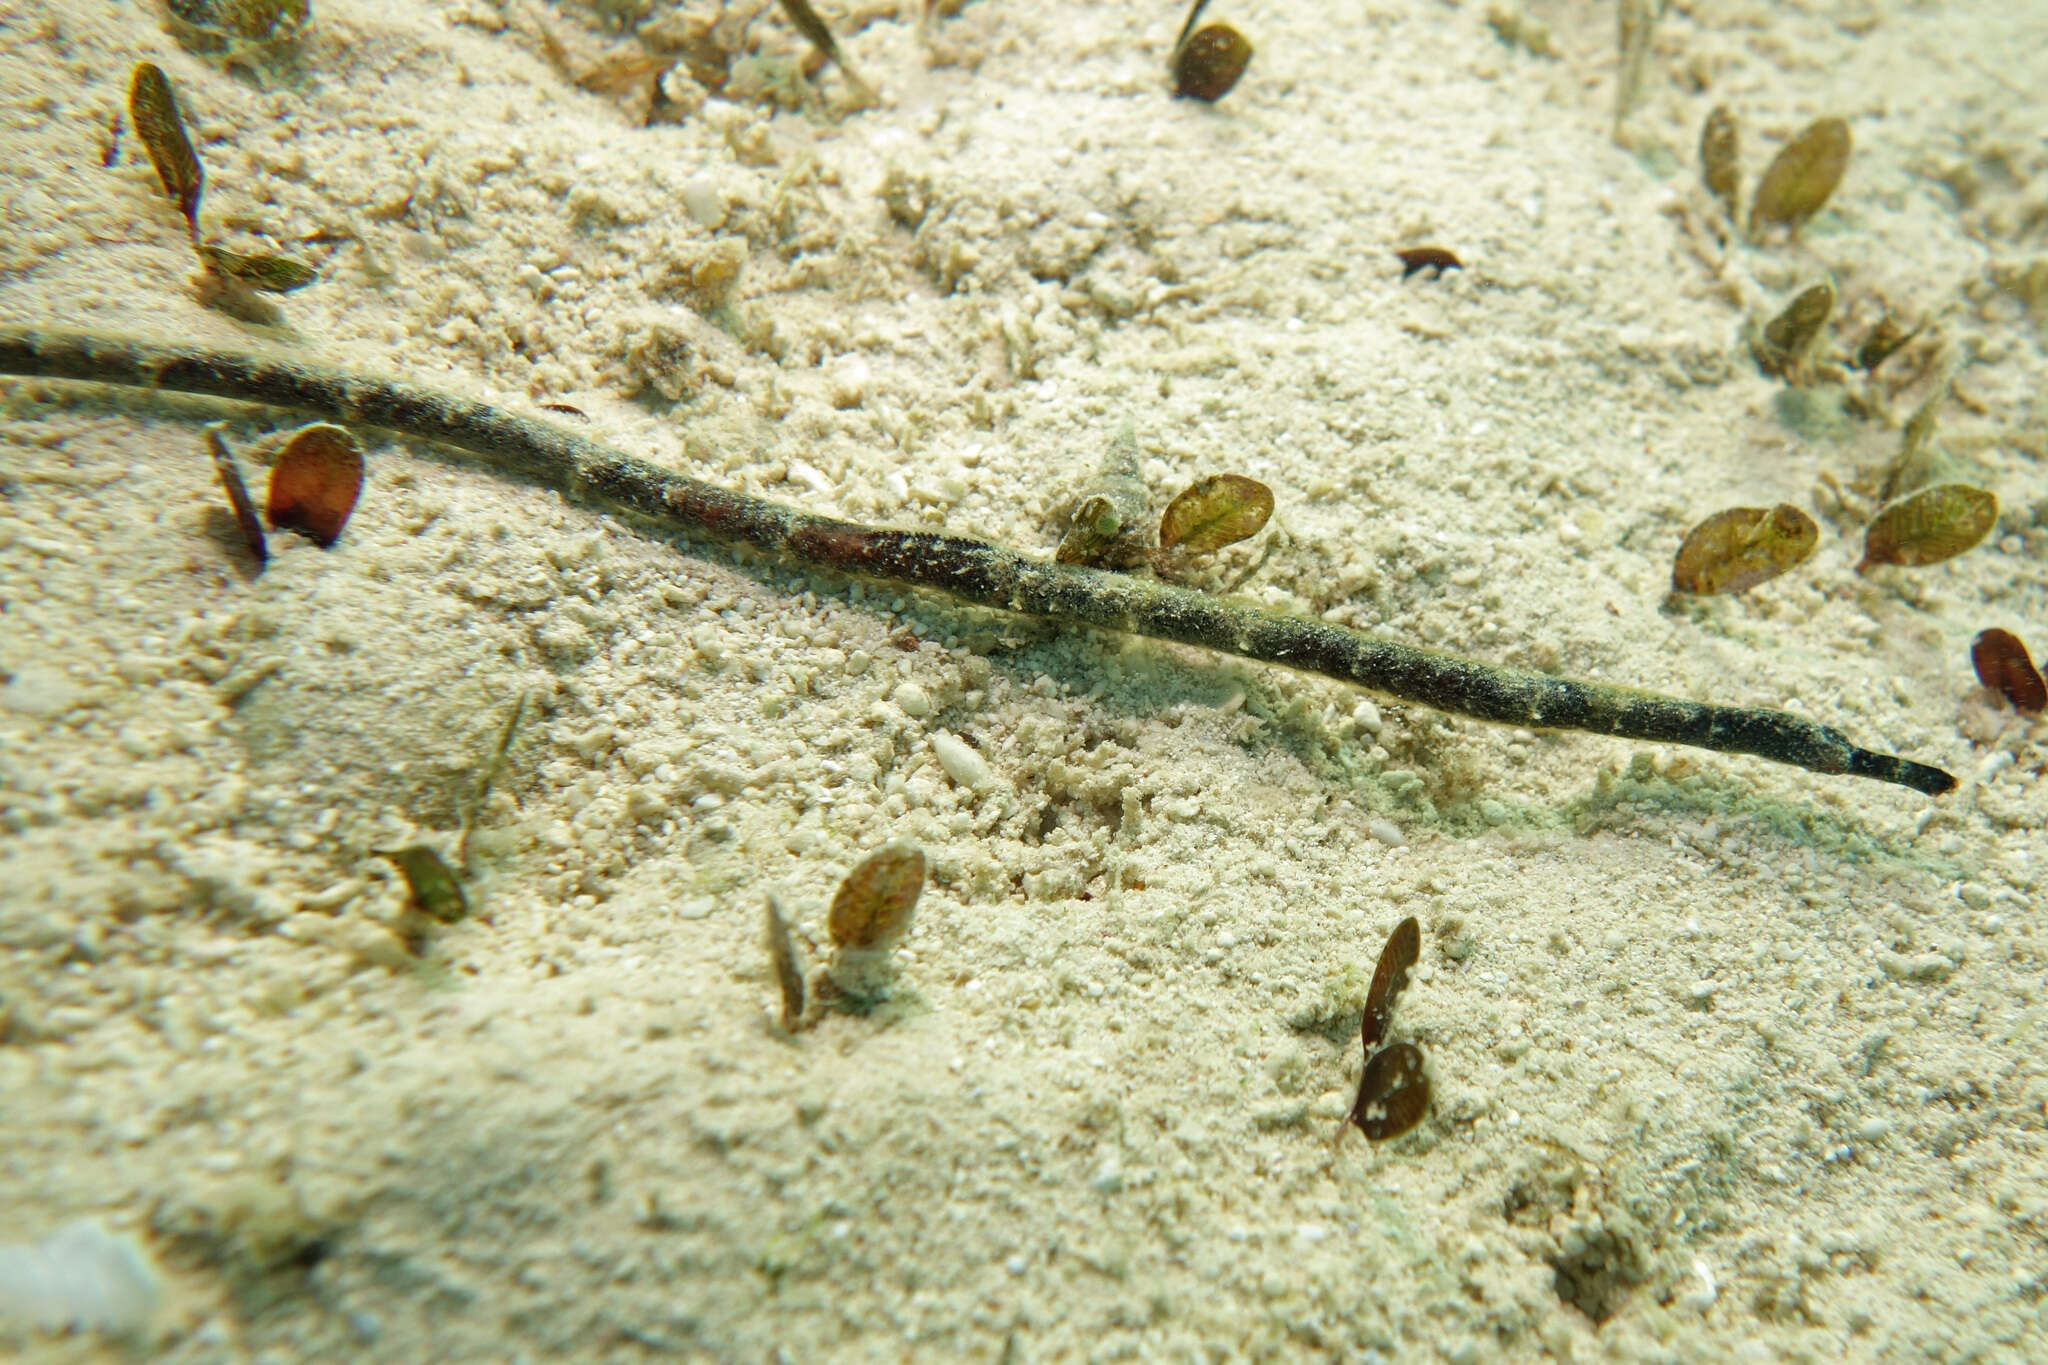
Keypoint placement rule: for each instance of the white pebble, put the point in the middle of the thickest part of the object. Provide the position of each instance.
(1386, 831)
(1367, 717)
(1871, 1129)
(43, 693)
(912, 700)
(80, 1277)
(703, 201)
(1994, 765)
(1703, 991)
(966, 767)
(849, 382)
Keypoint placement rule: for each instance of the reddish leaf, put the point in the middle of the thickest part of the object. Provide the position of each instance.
(2003, 666)
(1207, 65)
(1393, 1094)
(315, 483)
(873, 905)
(1404, 945)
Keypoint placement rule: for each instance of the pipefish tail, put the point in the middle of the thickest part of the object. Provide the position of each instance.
(968, 570)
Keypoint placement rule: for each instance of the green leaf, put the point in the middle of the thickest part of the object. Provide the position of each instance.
(1214, 512)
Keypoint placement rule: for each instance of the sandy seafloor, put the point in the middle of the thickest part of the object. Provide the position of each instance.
(1731, 1061)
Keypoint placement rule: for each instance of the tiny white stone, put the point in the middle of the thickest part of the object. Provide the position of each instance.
(849, 382)
(703, 200)
(1703, 991)
(966, 767)
(1871, 1129)
(812, 476)
(913, 700)
(41, 693)
(1386, 831)
(1367, 717)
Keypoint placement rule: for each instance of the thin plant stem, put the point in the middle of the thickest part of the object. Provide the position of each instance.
(962, 568)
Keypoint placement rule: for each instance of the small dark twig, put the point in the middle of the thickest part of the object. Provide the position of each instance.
(969, 570)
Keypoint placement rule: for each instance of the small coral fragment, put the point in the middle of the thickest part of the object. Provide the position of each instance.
(1735, 550)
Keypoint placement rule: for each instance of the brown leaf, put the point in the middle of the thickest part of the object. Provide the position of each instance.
(238, 496)
(315, 483)
(1434, 259)
(258, 269)
(1735, 550)
(153, 109)
(872, 908)
(1214, 512)
(788, 976)
(1883, 342)
(1790, 335)
(1720, 158)
(1393, 1094)
(1936, 523)
(1404, 945)
(435, 889)
(1802, 176)
(2004, 667)
(1209, 62)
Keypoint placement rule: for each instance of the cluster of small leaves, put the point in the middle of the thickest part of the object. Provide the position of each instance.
(1393, 1092)
(1109, 529)
(314, 485)
(1207, 61)
(1797, 183)
(153, 109)
(871, 912)
(1738, 549)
